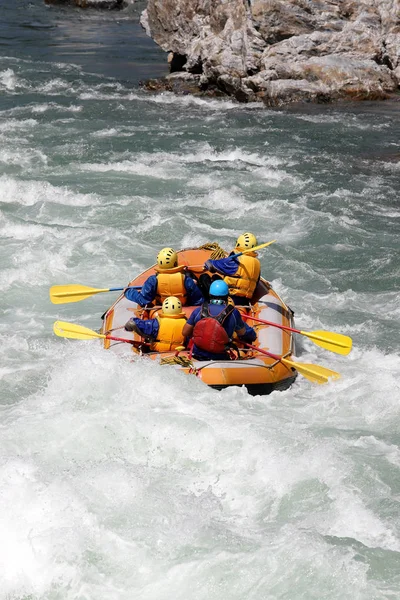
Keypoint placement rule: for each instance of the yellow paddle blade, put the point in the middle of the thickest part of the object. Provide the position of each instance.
(61, 294)
(314, 373)
(335, 342)
(258, 247)
(75, 332)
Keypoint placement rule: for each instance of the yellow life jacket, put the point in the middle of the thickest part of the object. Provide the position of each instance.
(244, 281)
(170, 332)
(171, 282)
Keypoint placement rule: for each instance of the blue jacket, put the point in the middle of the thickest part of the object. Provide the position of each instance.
(231, 324)
(147, 327)
(225, 266)
(149, 292)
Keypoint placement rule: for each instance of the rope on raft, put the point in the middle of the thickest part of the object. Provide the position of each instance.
(182, 361)
(217, 251)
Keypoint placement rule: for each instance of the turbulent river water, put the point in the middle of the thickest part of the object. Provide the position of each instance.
(127, 481)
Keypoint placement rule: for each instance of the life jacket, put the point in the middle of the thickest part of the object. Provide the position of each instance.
(244, 281)
(169, 333)
(209, 333)
(171, 282)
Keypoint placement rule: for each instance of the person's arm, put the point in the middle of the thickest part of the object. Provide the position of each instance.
(145, 328)
(146, 294)
(225, 266)
(244, 331)
(190, 323)
(194, 295)
(247, 334)
(187, 330)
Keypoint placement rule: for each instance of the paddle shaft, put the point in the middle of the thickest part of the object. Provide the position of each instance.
(238, 254)
(252, 249)
(275, 356)
(271, 323)
(91, 292)
(131, 287)
(314, 373)
(118, 339)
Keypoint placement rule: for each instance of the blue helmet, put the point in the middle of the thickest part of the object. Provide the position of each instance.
(219, 289)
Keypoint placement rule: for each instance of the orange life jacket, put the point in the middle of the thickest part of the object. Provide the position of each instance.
(171, 282)
(244, 281)
(169, 333)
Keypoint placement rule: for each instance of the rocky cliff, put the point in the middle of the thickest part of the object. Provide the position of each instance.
(279, 51)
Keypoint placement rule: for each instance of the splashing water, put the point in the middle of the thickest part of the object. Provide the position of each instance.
(121, 479)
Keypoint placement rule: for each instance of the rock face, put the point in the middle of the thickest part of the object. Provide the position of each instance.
(279, 51)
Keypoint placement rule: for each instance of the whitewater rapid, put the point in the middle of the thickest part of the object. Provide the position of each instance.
(124, 480)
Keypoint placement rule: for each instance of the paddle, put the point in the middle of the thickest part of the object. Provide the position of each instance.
(312, 372)
(74, 292)
(252, 249)
(335, 342)
(78, 332)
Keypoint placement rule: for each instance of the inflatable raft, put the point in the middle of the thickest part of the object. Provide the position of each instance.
(260, 374)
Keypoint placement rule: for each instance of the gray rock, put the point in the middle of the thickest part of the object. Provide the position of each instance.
(279, 51)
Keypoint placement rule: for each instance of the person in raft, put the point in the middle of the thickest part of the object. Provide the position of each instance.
(212, 325)
(164, 332)
(240, 273)
(170, 280)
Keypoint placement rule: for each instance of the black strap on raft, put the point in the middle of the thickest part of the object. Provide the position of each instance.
(205, 313)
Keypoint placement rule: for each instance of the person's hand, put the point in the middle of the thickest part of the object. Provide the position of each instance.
(130, 325)
(209, 266)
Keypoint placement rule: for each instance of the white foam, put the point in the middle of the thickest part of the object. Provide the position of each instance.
(206, 152)
(221, 200)
(12, 125)
(26, 158)
(39, 108)
(347, 120)
(172, 165)
(28, 193)
(134, 167)
(166, 98)
(115, 483)
(55, 86)
(8, 80)
(106, 133)
(42, 108)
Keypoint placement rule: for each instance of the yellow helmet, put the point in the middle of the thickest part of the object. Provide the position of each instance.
(246, 241)
(172, 306)
(167, 258)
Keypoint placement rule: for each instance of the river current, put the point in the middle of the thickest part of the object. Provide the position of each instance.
(127, 481)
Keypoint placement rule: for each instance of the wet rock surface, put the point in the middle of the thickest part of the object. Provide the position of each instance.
(279, 51)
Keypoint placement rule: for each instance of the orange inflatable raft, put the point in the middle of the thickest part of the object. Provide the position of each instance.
(260, 374)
